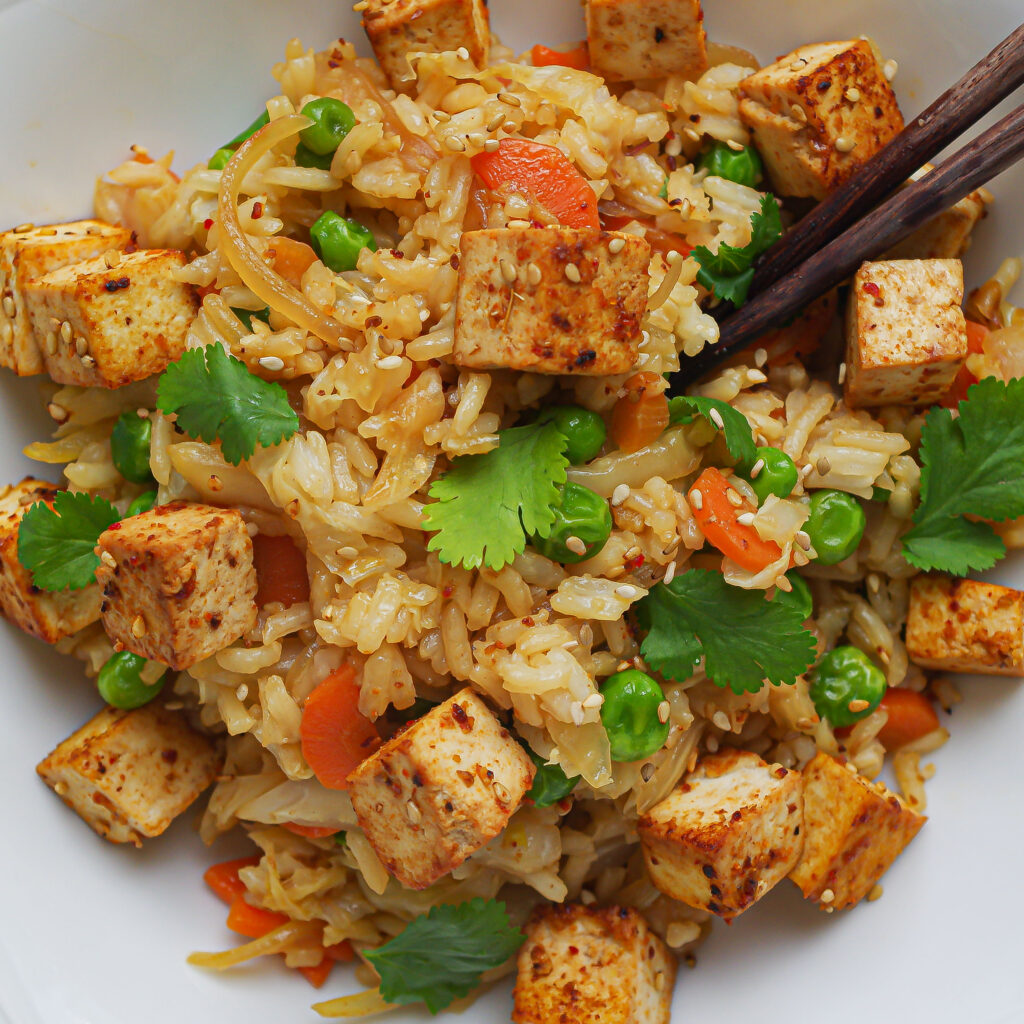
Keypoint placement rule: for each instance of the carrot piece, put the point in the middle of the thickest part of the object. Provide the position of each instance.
(335, 737)
(253, 922)
(280, 570)
(976, 335)
(544, 172)
(223, 878)
(640, 416)
(578, 57)
(717, 516)
(317, 975)
(310, 831)
(342, 952)
(911, 716)
(291, 259)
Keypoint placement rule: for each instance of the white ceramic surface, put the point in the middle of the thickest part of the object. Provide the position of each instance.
(95, 934)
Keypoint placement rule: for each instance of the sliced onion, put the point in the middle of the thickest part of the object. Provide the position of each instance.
(280, 940)
(362, 1004)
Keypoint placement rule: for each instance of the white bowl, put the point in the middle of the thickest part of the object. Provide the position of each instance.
(96, 934)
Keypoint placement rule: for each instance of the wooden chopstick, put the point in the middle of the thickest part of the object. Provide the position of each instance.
(986, 156)
(989, 81)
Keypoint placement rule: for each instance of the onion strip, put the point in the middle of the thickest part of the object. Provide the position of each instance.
(280, 940)
(362, 1004)
(263, 282)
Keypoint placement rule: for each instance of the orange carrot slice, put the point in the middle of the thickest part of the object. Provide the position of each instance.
(223, 878)
(640, 416)
(280, 570)
(253, 922)
(578, 57)
(911, 716)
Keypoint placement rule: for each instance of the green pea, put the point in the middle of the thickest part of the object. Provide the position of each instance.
(220, 159)
(740, 165)
(835, 525)
(305, 157)
(550, 784)
(248, 315)
(584, 430)
(799, 597)
(778, 474)
(143, 503)
(120, 682)
(332, 121)
(846, 674)
(248, 133)
(630, 715)
(580, 516)
(129, 447)
(339, 241)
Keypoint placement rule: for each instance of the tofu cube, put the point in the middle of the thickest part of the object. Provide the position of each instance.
(440, 789)
(178, 582)
(550, 300)
(853, 831)
(906, 336)
(399, 27)
(585, 965)
(630, 39)
(31, 253)
(818, 114)
(102, 326)
(129, 774)
(727, 834)
(966, 626)
(49, 615)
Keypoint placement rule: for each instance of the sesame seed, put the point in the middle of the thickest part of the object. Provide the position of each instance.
(664, 710)
(803, 538)
(595, 700)
(111, 258)
(415, 815)
(510, 126)
(533, 274)
(828, 896)
(875, 894)
(347, 552)
(756, 377)
(692, 134)
(508, 271)
(88, 362)
(243, 691)
(736, 147)
(455, 144)
(491, 146)
(784, 585)
(517, 223)
(576, 545)
(620, 494)
(24, 227)
(9, 306)
(572, 272)
(57, 412)
(476, 139)
(65, 333)
(389, 363)
(361, 6)
(616, 245)
(733, 498)
(50, 341)
(670, 572)
(138, 626)
(760, 357)
(495, 121)
(622, 666)
(823, 466)
(628, 592)
(806, 470)
(858, 705)
(845, 145)
(647, 771)
(442, 116)
(745, 519)
(108, 559)
(697, 500)
(576, 712)
(889, 69)
(799, 63)
(756, 468)
(799, 114)
(6, 332)
(272, 363)
(462, 53)
(587, 897)
(852, 95)
(80, 346)
(716, 417)
(842, 373)
(510, 98)
(721, 719)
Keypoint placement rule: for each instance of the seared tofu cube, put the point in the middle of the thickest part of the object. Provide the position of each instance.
(550, 300)
(49, 615)
(853, 831)
(590, 965)
(727, 834)
(129, 774)
(440, 789)
(31, 253)
(399, 27)
(906, 337)
(966, 626)
(818, 114)
(102, 326)
(178, 582)
(630, 39)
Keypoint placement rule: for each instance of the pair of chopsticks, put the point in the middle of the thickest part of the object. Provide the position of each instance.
(830, 243)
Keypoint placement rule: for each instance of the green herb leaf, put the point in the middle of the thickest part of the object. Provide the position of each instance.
(487, 505)
(440, 956)
(56, 544)
(217, 398)
(743, 637)
(971, 465)
(728, 272)
(736, 432)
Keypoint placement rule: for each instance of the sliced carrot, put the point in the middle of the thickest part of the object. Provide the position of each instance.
(641, 414)
(803, 335)
(578, 57)
(660, 241)
(223, 878)
(546, 173)
(280, 570)
(342, 952)
(976, 335)
(291, 259)
(335, 737)
(253, 922)
(911, 716)
(317, 975)
(310, 831)
(716, 515)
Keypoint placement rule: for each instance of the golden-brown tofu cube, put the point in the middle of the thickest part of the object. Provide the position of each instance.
(440, 789)
(550, 300)
(101, 326)
(590, 965)
(818, 114)
(31, 253)
(129, 774)
(178, 582)
(906, 337)
(966, 626)
(853, 831)
(727, 834)
(399, 27)
(646, 38)
(49, 615)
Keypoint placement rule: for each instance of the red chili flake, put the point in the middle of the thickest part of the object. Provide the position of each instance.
(257, 210)
(114, 526)
(447, 591)
(634, 563)
(574, 950)
(208, 223)
(871, 288)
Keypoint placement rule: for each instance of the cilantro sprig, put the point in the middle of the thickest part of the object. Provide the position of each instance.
(743, 637)
(970, 465)
(56, 545)
(217, 398)
(487, 505)
(440, 956)
(728, 272)
(736, 432)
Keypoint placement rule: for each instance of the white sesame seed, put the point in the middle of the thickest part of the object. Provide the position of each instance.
(108, 559)
(852, 95)
(845, 145)
(616, 245)
(664, 710)
(712, 744)
(595, 700)
(495, 122)
(462, 53)
(745, 519)
(620, 494)
(670, 572)
(476, 139)
(510, 126)
(828, 896)
(517, 223)
(873, 582)
(57, 412)
(9, 309)
(576, 545)
(875, 894)
(88, 362)
(242, 691)
(756, 377)
(138, 626)
(803, 538)
(508, 271)
(628, 592)
(799, 114)
(510, 98)
(272, 363)
(784, 585)
(80, 346)
(572, 272)
(533, 274)
(24, 227)
(692, 134)
(697, 500)
(587, 897)
(414, 813)
(576, 712)
(806, 470)
(347, 552)
(889, 69)
(716, 417)
(823, 466)
(858, 705)
(455, 144)
(389, 363)
(755, 469)
(733, 498)
(65, 333)
(736, 147)
(800, 62)
(647, 771)
(721, 719)
(442, 116)
(760, 357)
(491, 146)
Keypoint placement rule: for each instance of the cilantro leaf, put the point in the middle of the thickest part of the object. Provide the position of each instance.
(487, 505)
(728, 272)
(56, 544)
(743, 637)
(971, 465)
(217, 398)
(440, 956)
(736, 432)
